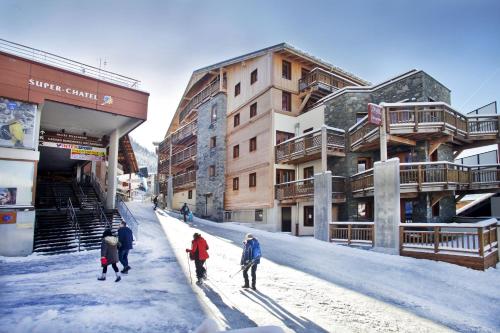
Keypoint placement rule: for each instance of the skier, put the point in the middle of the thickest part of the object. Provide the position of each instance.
(125, 239)
(250, 259)
(155, 201)
(198, 253)
(185, 211)
(109, 254)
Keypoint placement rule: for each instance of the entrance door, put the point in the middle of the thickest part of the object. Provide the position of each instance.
(286, 219)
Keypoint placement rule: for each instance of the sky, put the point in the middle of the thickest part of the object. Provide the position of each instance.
(162, 42)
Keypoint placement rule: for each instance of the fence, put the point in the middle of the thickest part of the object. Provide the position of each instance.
(352, 233)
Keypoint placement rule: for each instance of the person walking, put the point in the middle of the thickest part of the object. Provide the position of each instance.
(109, 254)
(155, 201)
(250, 258)
(125, 240)
(198, 253)
(185, 211)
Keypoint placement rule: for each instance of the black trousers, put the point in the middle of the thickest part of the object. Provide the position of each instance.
(200, 269)
(105, 268)
(185, 219)
(254, 277)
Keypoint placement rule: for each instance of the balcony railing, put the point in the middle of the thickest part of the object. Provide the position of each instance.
(434, 176)
(308, 146)
(184, 179)
(200, 97)
(473, 245)
(319, 77)
(352, 233)
(184, 132)
(184, 155)
(304, 189)
(409, 119)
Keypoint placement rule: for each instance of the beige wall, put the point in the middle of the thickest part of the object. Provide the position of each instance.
(314, 118)
(181, 197)
(281, 83)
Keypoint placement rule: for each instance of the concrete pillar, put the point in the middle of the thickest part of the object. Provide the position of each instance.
(387, 205)
(170, 192)
(322, 205)
(112, 169)
(93, 167)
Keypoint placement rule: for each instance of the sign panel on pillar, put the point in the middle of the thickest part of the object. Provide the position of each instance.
(375, 114)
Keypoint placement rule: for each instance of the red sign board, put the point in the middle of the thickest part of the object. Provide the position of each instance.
(375, 114)
(8, 217)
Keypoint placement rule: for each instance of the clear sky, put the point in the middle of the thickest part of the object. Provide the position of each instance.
(162, 42)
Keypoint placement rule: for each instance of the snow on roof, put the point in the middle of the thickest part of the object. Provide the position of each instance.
(477, 151)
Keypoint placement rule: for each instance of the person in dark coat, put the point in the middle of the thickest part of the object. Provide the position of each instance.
(109, 254)
(198, 253)
(250, 258)
(155, 201)
(125, 239)
(185, 211)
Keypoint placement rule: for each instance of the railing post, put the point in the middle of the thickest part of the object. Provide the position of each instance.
(401, 238)
(349, 234)
(419, 177)
(416, 119)
(436, 239)
(446, 174)
(481, 241)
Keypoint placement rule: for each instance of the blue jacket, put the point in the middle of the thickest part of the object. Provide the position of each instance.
(251, 251)
(125, 238)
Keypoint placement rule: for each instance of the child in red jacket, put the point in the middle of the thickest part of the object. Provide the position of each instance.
(198, 253)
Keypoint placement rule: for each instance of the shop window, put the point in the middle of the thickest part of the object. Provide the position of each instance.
(283, 136)
(253, 77)
(236, 151)
(16, 183)
(286, 70)
(236, 184)
(213, 142)
(237, 89)
(236, 120)
(364, 163)
(253, 144)
(190, 194)
(213, 115)
(211, 171)
(252, 180)
(253, 110)
(286, 101)
(259, 215)
(309, 216)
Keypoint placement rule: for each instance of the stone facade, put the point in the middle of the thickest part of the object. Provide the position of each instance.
(343, 111)
(210, 189)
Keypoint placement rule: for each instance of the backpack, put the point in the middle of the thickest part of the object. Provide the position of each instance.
(256, 252)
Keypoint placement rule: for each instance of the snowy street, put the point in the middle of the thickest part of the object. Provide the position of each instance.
(303, 285)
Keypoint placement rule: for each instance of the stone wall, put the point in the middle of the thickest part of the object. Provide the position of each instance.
(210, 190)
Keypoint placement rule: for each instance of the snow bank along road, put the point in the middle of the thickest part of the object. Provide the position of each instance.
(52, 294)
(306, 285)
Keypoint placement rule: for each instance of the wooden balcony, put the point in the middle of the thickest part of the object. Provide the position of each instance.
(303, 190)
(352, 233)
(209, 91)
(184, 157)
(410, 122)
(307, 147)
(435, 177)
(184, 133)
(319, 79)
(473, 245)
(185, 180)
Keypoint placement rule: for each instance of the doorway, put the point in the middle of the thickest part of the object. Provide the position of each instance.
(286, 219)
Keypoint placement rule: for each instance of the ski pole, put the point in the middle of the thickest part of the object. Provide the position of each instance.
(189, 268)
(242, 268)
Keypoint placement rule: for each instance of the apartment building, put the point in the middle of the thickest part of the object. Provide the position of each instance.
(250, 133)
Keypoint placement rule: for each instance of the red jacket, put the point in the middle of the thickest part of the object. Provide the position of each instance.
(199, 249)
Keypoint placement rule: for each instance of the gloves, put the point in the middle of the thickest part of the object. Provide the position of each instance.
(104, 261)
(188, 250)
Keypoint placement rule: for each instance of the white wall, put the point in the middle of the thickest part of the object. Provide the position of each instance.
(17, 239)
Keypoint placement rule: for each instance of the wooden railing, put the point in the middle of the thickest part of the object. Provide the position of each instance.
(473, 245)
(197, 99)
(357, 233)
(295, 189)
(310, 144)
(409, 118)
(435, 176)
(184, 132)
(184, 155)
(184, 179)
(319, 76)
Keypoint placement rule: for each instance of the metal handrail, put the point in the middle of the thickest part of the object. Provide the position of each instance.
(79, 193)
(127, 216)
(103, 219)
(70, 210)
(67, 64)
(97, 187)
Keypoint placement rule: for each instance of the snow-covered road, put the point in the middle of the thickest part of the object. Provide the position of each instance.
(306, 285)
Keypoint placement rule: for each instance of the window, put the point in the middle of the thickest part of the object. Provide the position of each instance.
(253, 110)
(360, 115)
(253, 77)
(213, 115)
(213, 142)
(236, 151)
(303, 73)
(190, 194)
(236, 119)
(284, 176)
(252, 180)
(237, 89)
(236, 184)
(283, 136)
(259, 215)
(286, 101)
(364, 163)
(308, 216)
(286, 70)
(308, 172)
(211, 171)
(253, 144)
(364, 210)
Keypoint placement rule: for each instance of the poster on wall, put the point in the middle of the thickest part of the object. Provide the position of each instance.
(8, 217)
(17, 124)
(8, 196)
(88, 153)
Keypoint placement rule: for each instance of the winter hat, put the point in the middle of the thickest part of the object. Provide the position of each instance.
(248, 236)
(107, 233)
